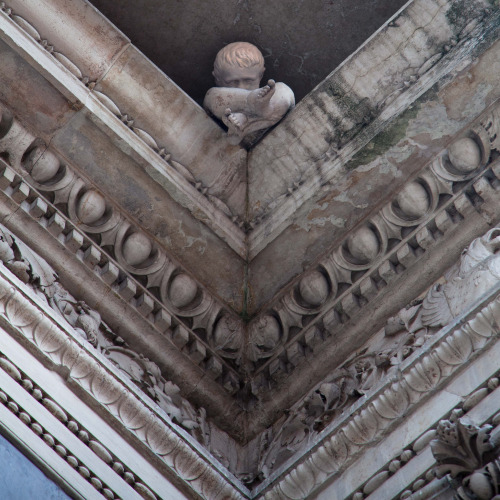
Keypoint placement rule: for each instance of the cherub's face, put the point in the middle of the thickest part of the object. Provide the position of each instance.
(240, 78)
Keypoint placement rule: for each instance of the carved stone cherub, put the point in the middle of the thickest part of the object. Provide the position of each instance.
(237, 100)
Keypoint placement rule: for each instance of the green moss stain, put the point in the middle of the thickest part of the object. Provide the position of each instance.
(392, 134)
(354, 108)
(334, 89)
(385, 140)
(461, 12)
(351, 109)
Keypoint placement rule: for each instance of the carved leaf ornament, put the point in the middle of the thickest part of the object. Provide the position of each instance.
(467, 454)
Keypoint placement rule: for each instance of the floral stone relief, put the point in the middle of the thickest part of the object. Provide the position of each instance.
(35, 272)
(477, 272)
(471, 456)
(203, 328)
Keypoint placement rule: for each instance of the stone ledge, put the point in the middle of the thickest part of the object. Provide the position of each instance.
(86, 376)
(136, 325)
(419, 46)
(152, 283)
(155, 159)
(376, 175)
(316, 315)
(367, 422)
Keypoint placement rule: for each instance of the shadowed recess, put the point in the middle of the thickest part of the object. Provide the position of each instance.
(302, 40)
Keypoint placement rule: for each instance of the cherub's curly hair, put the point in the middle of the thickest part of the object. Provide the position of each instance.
(240, 54)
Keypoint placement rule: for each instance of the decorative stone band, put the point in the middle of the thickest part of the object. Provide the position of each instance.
(97, 384)
(451, 189)
(420, 205)
(51, 434)
(347, 136)
(471, 456)
(217, 215)
(373, 417)
(186, 189)
(181, 306)
(477, 272)
(138, 255)
(417, 478)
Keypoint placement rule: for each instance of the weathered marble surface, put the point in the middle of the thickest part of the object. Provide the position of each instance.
(421, 355)
(193, 139)
(104, 55)
(67, 126)
(49, 109)
(369, 178)
(126, 182)
(111, 133)
(77, 30)
(393, 60)
(475, 276)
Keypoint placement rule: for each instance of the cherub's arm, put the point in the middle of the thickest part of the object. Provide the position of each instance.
(219, 99)
(246, 111)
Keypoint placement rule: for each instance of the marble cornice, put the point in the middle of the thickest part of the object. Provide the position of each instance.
(115, 75)
(222, 331)
(110, 87)
(467, 213)
(88, 130)
(341, 289)
(133, 312)
(365, 423)
(320, 217)
(96, 381)
(80, 64)
(47, 404)
(314, 145)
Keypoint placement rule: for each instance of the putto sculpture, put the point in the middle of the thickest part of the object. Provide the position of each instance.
(238, 100)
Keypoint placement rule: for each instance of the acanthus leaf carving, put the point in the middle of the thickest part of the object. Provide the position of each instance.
(88, 323)
(381, 359)
(467, 453)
